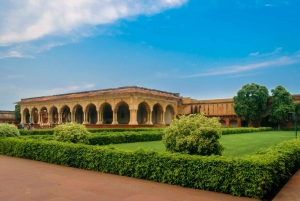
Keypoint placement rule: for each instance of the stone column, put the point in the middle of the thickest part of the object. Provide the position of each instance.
(99, 118)
(72, 117)
(85, 117)
(150, 117)
(227, 122)
(133, 117)
(114, 117)
(163, 117)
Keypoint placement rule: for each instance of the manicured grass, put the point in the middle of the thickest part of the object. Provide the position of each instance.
(236, 144)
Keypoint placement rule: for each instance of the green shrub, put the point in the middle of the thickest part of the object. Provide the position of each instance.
(71, 132)
(8, 130)
(194, 134)
(36, 132)
(239, 130)
(106, 138)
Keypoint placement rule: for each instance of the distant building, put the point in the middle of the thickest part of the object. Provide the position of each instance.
(125, 106)
(7, 116)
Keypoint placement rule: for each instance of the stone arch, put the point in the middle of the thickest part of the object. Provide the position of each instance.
(43, 115)
(91, 113)
(53, 115)
(34, 117)
(143, 113)
(169, 114)
(123, 112)
(65, 112)
(157, 114)
(223, 123)
(233, 123)
(106, 113)
(77, 114)
(26, 116)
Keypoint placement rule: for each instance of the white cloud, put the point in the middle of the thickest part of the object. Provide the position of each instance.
(13, 53)
(267, 63)
(28, 20)
(254, 54)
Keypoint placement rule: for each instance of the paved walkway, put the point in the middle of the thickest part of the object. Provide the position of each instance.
(27, 180)
(291, 191)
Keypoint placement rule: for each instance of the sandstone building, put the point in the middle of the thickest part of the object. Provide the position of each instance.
(131, 106)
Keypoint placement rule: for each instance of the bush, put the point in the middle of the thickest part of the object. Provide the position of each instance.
(106, 138)
(36, 132)
(194, 134)
(8, 130)
(70, 132)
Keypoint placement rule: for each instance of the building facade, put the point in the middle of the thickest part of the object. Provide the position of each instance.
(124, 106)
(7, 116)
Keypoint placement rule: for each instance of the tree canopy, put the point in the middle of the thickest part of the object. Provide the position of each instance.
(250, 103)
(282, 104)
(17, 114)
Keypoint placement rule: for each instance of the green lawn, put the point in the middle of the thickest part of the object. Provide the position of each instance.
(236, 144)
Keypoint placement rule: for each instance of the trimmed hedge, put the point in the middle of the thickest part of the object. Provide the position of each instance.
(100, 130)
(36, 132)
(250, 176)
(239, 130)
(124, 137)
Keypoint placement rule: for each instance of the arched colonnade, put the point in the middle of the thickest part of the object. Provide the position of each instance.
(105, 113)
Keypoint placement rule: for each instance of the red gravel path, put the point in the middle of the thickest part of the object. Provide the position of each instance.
(24, 180)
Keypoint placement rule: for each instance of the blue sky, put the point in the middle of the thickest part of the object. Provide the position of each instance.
(204, 49)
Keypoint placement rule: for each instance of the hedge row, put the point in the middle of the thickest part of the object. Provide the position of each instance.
(109, 130)
(124, 137)
(36, 132)
(239, 130)
(225, 131)
(252, 176)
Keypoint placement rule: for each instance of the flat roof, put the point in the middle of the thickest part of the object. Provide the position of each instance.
(103, 92)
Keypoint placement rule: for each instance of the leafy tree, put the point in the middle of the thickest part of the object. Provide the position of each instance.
(297, 108)
(250, 103)
(282, 104)
(194, 134)
(17, 113)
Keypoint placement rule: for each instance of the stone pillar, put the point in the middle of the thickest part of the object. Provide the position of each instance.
(133, 117)
(99, 118)
(85, 114)
(39, 118)
(59, 118)
(227, 122)
(22, 118)
(163, 117)
(150, 118)
(115, 117)
(72, 117)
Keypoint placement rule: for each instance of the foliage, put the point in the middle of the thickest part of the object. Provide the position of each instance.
(250, 103)
(194, 134)
(297, 108)
(71, 132)
(36, 132)
(8, 130)
(239, 130)
(250, 176)
(124, 137)
(282, 104)
(17, 113)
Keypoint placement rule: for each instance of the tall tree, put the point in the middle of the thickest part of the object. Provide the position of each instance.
(282, 104)
(250, 103)
(17, 114)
